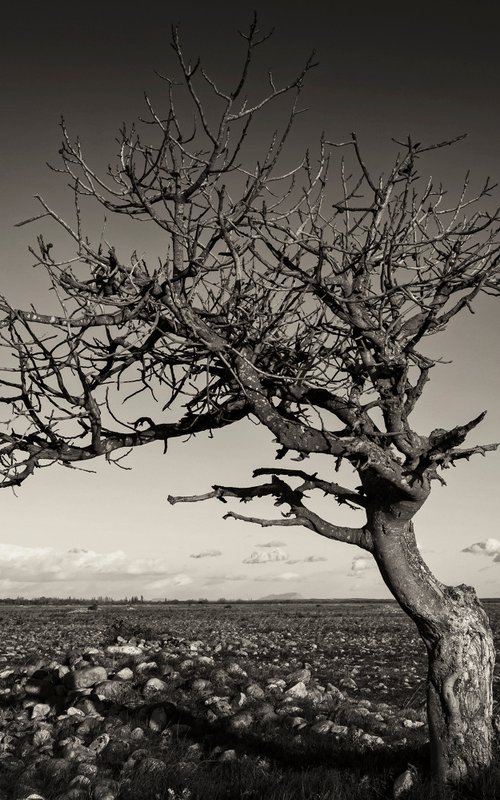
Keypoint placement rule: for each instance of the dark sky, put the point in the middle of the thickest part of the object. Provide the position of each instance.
(384, 70)
(429, 69)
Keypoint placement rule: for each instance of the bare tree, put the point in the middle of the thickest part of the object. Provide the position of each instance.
(276, 298)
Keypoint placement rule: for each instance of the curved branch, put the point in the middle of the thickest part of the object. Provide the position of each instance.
(284, 494)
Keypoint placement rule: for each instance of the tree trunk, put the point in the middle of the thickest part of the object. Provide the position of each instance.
(461, 653)
(460, 689)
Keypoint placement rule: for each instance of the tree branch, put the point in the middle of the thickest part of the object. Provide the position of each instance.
(284, 494)
(342, 494)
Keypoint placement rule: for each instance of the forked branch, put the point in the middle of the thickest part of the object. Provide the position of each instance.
(298, 513)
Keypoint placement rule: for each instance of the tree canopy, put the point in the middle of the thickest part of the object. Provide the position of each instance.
(297, 297)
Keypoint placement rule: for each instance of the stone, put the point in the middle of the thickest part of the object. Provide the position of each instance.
(288, 709)
(75, 712)
(239, 700)
(299, 691)
(404, 783)
(235, 671)
(90, 652)
(219, 706)
(116, 752)
(105, 790)
(201, 685)
(73, 657)
(254, 690)
(153, 686)
(206, 661)
(124, 674)
(124, 650)
(195, 752)
(87, 769)
(114, 691)
(85, 678)
(40, 711)
(322, 727)
(242, 721)
(119, 731)
(349, 683)
(372, 741)
(6, 673)
(295, 722)
(158, 720)
(150, 767)
(76, 751)
(276, 687)
(314, 696)
(34, 664)
(88, 706)
(220, 678)
(228, 756)
(99, 744)
(145, 667)
(339, 730)
(59, 769)
(89, 726)
(80, 782)
(334, 692)
(263, 710)
(42, 738)
(135, 759)
(299, 676)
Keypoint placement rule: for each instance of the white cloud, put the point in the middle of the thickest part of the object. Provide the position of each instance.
(48, 564)
(288, 576)
(216, 580)
(359, 566)
(490, 547)
(307, 560)
(181, 579)
(263, 556)
(274, 543)
(206, 554)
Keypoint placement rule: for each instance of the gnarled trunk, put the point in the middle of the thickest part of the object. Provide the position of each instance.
(459, 689)
(460, 648)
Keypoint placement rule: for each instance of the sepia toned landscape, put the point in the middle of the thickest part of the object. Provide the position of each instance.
(228, 700)
(250, 280)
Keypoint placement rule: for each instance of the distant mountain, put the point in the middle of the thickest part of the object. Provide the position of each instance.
(284, 596)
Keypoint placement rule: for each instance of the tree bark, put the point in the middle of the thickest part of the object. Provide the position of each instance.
(460, 689)
(461, 653)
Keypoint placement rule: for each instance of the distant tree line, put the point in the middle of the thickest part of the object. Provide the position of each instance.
(63, 601)
(135, 600)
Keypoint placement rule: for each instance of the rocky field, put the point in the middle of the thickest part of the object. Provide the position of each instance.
(210, 701)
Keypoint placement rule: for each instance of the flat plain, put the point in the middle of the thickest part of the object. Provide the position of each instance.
(228, 700)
